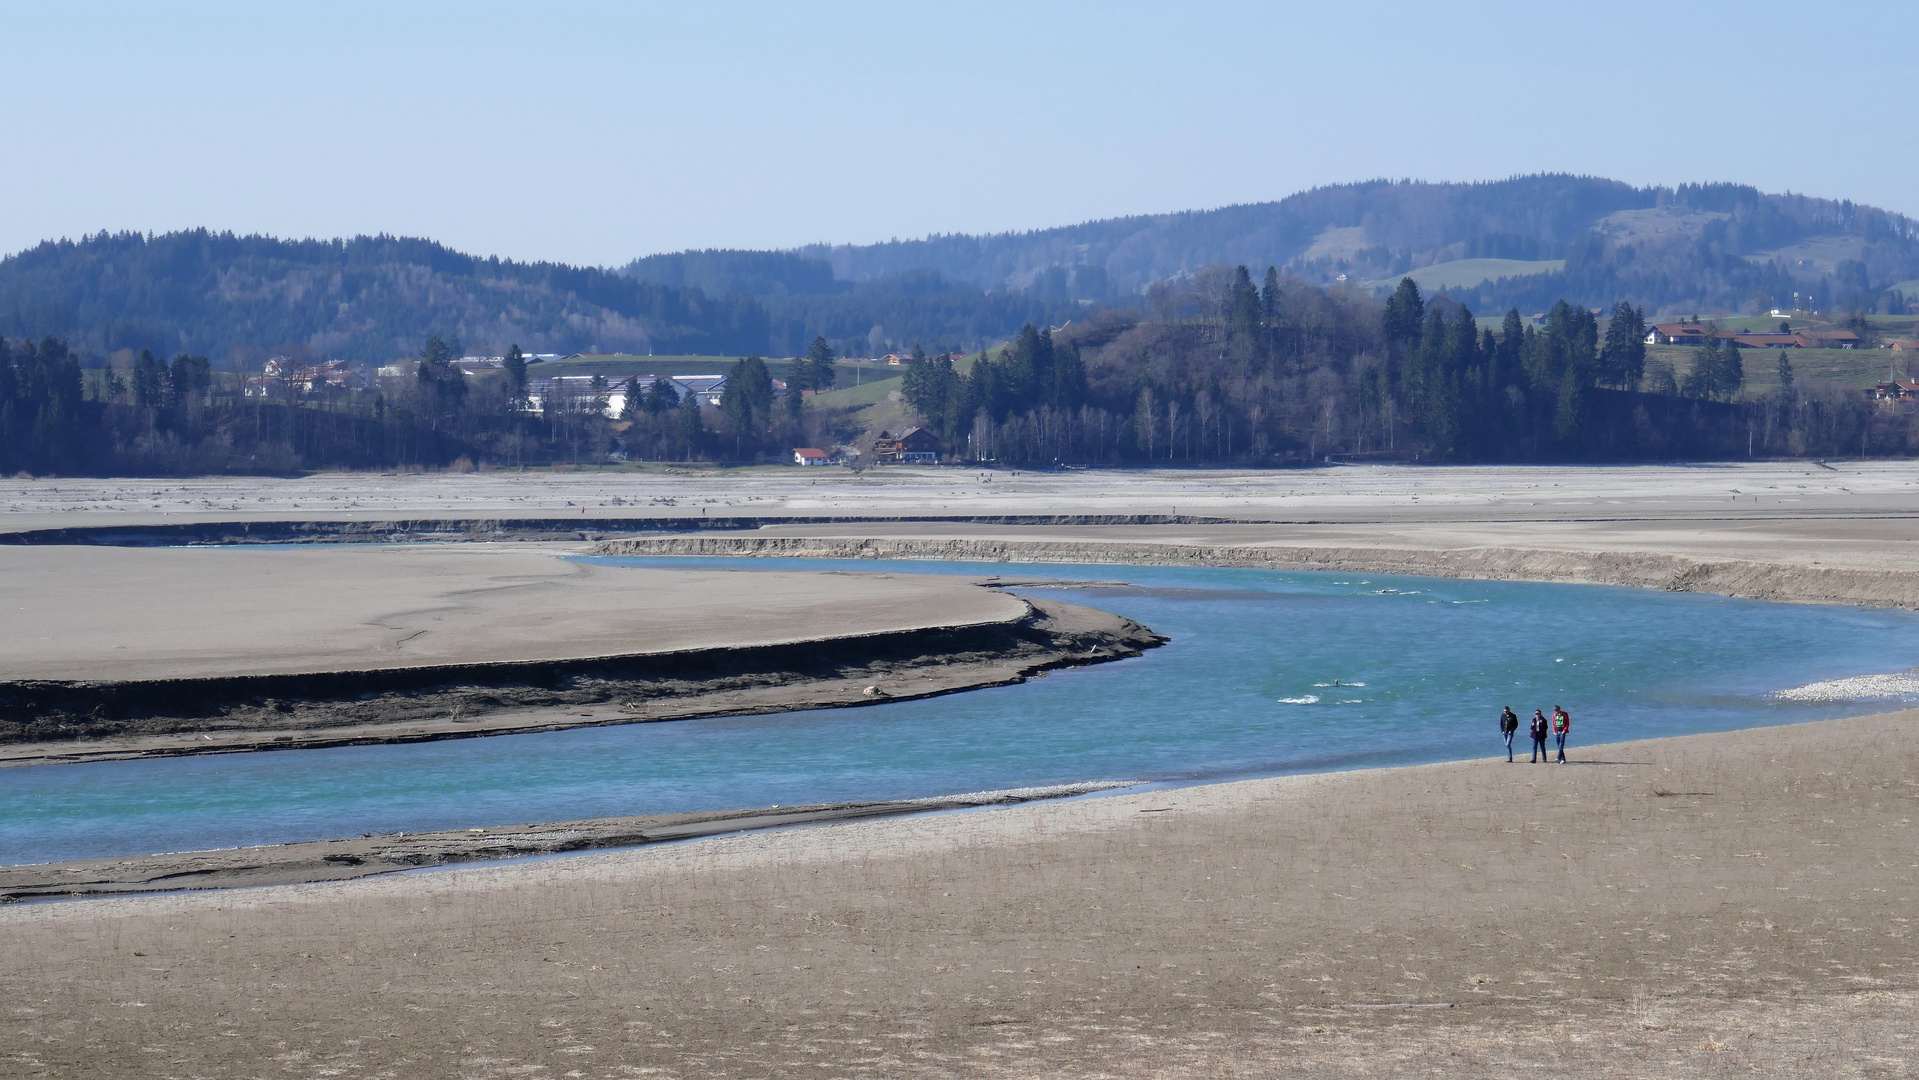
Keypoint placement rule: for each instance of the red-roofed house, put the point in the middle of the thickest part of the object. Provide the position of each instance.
(1673, 333)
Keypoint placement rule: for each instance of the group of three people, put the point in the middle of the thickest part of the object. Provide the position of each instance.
(1560, 726)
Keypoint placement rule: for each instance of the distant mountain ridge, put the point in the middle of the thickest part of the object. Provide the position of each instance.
(1523, 242)
(1692, 247)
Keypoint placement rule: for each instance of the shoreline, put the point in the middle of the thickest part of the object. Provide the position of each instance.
(422, 704)
(307, 862)
(317, 862)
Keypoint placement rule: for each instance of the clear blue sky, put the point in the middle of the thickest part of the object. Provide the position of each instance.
(594, 132)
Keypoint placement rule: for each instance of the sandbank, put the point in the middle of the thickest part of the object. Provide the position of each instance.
(1728, 904)
(112, 651)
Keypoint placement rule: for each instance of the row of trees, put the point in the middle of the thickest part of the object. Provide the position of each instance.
(1220, 369)
(160, 417)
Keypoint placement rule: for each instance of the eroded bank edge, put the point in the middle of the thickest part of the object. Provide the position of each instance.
(280, 712)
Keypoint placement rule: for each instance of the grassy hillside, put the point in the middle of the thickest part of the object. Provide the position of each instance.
(1466, 273)
(1858, 369)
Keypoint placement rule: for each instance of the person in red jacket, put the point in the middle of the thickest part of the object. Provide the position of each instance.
(1538, 731)
(1562, 727)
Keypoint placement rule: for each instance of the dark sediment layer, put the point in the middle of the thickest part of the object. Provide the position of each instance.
(414, 530)
(69, 720)
(1751, 579)
(367, 856)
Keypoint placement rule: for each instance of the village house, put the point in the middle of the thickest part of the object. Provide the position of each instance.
(577, 389)
(1676, 334)
(914, 446)
(1896, 390)
(284, 377)
(811, 455)
(1695, 334)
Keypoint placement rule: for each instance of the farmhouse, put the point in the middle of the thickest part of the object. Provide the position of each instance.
(1676, 334)
(914, 446)
(1767, 341)
(810, 455)
(284, 378)
(1830, 339)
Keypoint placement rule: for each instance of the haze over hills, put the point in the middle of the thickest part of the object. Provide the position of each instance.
(1523, 242)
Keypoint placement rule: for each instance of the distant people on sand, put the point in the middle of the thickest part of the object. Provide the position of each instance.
(1538, 732)
(1560, 726)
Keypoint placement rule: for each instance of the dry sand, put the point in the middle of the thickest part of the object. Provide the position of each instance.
(1342, 493)
(119, 652)
(102, 613)
(1717, 905)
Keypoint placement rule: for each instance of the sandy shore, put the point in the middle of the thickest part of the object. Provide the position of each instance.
(114, 652)
(371, 855)
(1714, 905)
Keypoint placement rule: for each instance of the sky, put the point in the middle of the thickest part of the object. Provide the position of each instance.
(593, 133)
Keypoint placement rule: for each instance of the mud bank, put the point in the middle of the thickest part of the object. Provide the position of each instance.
(366, 856)
(430, 529)
(1787, 582)
(43, 721)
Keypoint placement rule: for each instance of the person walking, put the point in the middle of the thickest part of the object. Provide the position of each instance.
(1538, 732)
(1508, 725)
(1562, 727)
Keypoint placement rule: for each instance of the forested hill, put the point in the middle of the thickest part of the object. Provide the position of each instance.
(238, 299)
(370, 298)
(1696, 247)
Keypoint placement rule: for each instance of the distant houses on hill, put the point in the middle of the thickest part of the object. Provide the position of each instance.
(578, 389)
(285, 377)
(1684, 333)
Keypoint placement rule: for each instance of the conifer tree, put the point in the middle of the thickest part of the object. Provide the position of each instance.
(147, 376)
(1404, 315)
(1269, 296)
(662, 396)
(515, 368)
(819, 360)
(691, 429)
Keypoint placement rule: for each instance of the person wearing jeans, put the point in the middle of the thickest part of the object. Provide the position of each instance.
(1562, 727)
(1538, 731)
(1508, 726)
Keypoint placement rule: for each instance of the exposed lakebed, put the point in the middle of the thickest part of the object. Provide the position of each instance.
(1267, 672)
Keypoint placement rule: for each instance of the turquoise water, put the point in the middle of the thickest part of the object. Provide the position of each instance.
(1422, 665)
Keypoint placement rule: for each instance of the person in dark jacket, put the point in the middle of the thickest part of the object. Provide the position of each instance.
(1538, 730)
(1508, 725)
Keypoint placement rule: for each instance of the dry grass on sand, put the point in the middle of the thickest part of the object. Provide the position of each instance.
(1476, 919)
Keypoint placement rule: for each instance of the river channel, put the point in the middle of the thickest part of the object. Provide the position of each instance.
(1267, 673)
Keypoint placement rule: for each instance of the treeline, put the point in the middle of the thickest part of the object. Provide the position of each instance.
(180, 417)
(1221, 370)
